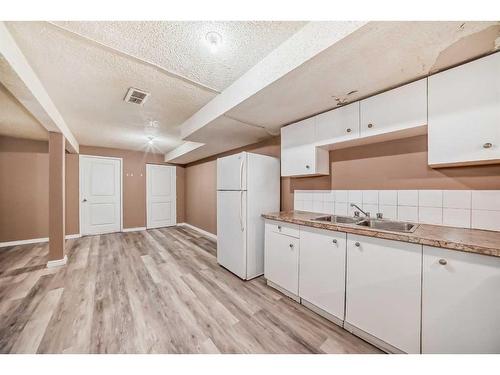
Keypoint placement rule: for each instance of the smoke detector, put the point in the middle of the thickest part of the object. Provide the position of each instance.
(136, 96)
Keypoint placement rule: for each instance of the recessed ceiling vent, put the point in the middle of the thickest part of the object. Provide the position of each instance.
(136, 96)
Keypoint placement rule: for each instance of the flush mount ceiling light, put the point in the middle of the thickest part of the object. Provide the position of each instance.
(151, 140)
(214, 41)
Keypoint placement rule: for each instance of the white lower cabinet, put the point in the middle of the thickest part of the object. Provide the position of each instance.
(383, 290)
(322, 269)
(281, 265)
(460, 302)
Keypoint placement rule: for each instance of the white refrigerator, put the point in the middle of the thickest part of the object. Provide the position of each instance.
(248, 185)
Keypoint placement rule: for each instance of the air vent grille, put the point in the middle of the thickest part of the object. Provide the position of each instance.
(136, 96)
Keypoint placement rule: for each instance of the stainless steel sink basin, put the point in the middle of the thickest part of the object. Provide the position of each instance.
(393, 226)
(338, 219)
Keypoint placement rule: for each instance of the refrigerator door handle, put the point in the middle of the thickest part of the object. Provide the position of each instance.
(241, 211)
(241, 174)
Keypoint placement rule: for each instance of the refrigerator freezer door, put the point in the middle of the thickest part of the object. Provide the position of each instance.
(232, 231)
(232, 172)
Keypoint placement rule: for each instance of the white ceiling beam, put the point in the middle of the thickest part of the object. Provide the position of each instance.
(312, 39)
(19, 78)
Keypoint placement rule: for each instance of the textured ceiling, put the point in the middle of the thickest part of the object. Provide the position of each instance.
(376, 57)
(180, 47)
(15, 120)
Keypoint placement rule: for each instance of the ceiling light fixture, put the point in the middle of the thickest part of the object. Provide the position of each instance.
(151, 139)
(214, 41)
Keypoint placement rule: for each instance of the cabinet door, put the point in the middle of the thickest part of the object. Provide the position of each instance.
(383, 290)
(398, 109)
(460, 302)
(340, 124)
(322, 269)
(298, 161)
(464, 113)
(282, 260)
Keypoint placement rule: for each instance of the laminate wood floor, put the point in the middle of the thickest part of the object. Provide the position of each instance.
(155, 291)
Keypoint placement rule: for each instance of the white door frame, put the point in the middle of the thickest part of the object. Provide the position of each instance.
(147, 195)
(80, 156)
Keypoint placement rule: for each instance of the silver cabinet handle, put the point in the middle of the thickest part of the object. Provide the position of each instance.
(370, 126)
(307, 167)
(357, 244)
(443, 262)
(291, 246)
(334, 241)
(279, 227)
(348, 130)
(84, 200)
(488, 145)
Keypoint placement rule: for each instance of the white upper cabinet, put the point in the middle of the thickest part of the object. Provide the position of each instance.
(299, 155)
(383, 290)
(460, 302)
(464, 114)
(402, 108)
(322, 269)
(338, 125)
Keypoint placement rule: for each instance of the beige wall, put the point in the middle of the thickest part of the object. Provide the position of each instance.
(400, 164)
(24, 188)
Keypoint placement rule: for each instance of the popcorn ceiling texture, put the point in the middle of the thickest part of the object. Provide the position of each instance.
(15, 120)
(180, 46)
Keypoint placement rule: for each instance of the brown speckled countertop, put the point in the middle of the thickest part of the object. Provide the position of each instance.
(468, 240)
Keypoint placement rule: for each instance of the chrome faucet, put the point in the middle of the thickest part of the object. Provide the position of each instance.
(356, 213)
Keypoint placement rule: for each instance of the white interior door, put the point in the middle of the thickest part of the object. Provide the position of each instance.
(100, 195)
(161, 196)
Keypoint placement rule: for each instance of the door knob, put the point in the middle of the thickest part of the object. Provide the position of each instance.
(370, 126)
(348, 130)
(488, 145)
(84, 200)
(443, 262)
(307, 167)
(291, 246)
(357, 244)
(334, 241)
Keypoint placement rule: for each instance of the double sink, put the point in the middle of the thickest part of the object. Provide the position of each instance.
(381, 224)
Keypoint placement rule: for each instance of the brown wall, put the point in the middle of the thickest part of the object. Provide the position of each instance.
(24, 171)
(24, 189)
(400, 164)
(201, 185)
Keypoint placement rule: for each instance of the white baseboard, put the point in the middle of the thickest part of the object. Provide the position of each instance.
(24, 242)
(208, 234)
(35, 240)
(137, 229)
(57, 262)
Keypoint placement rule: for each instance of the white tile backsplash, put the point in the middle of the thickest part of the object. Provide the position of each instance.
(388, 197)
(341, 196)
(430, 215)
(430, 198)
(355, 196)
(370, 196)
(407, 197)
(458, 208)
(486, 200)
(408, 213)
(483, 219)
(457, 199)
(341, 208)
(389, 212)
(456, 217)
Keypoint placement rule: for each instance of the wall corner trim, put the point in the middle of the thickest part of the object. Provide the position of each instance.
(136, 229)
(57, 262)
(208, 234)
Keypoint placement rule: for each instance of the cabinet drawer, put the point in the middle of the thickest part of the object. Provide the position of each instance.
(286, 229)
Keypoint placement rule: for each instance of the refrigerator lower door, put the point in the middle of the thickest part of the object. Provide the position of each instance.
(232, 231)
